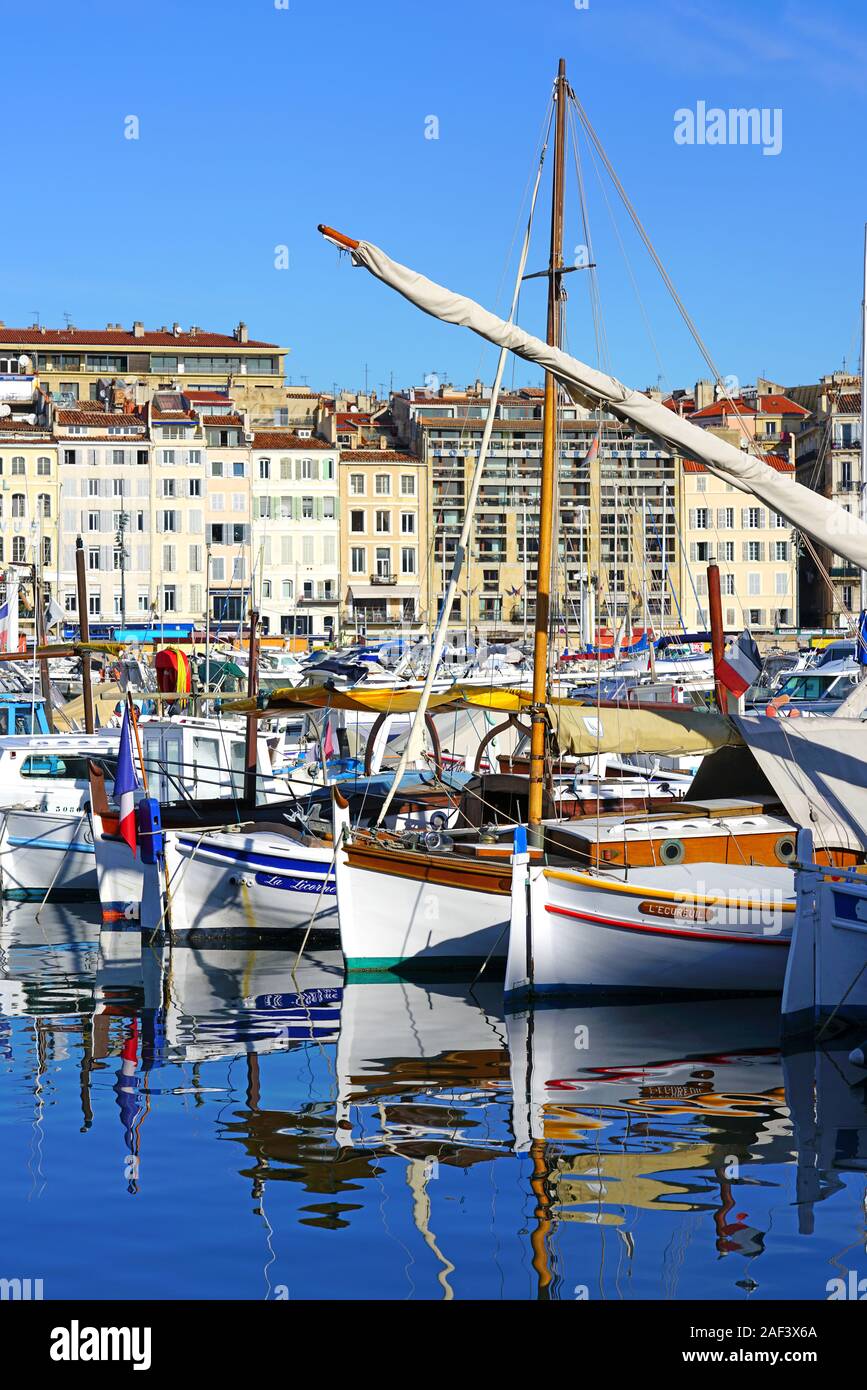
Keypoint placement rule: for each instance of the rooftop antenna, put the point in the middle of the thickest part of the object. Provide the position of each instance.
(68, 318)
(365, 378)
(35, 313)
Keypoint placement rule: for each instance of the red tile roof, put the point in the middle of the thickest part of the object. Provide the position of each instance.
(207, 397)
(218, 421)
(95, 418)
(849, 404)
(278, 439)
(736, 407)
(777, 461)
(781, 405)
(8, 426)
(108, 337)
(376, 456)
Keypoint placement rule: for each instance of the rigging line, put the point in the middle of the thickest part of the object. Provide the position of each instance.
(693, 330)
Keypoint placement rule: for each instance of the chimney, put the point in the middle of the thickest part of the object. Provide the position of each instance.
(138, 329)
(176, 328)
(194, 330)
(704, 394)
(241, 332)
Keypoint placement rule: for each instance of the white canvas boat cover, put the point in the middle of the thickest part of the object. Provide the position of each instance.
(818, 768)
(585, 730)
(842, 531)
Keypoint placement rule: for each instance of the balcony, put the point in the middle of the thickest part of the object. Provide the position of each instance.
(383, 578)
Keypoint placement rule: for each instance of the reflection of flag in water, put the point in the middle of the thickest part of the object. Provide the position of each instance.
(126, 783)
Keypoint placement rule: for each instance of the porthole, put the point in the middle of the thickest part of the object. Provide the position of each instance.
(784, 849)
(672, 852)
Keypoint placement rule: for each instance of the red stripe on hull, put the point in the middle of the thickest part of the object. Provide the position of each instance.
(668, 931)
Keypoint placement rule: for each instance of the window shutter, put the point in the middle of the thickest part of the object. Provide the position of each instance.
(317, 508)
(285, 550)
(693, 550)
(195, 521)
(692, 525)
(160, 522)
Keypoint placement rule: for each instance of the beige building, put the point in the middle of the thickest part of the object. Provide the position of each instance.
(385, 505)
(296, 533)
(77, 364)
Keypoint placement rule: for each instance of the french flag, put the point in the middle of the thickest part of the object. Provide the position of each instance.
(126, 784)
(740, 665)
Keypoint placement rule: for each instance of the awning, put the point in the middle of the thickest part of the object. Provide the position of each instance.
(818, 769)
(383, 591)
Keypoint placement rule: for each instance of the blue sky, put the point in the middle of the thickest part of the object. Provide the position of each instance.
(258, 122)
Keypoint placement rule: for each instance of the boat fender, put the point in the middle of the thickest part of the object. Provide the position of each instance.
(858, 1056)
(150, 830)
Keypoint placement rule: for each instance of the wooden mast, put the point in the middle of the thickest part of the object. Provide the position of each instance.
(548, 476)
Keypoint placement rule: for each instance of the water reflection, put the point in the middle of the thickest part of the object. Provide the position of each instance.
(590, 1151)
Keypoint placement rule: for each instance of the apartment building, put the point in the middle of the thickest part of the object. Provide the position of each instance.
(755, 548)
(385, 505)
(296, 532)
(77, 365)
(828, 458)
(228, 517)
(618, 493)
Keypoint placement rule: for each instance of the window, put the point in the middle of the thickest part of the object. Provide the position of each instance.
(216, 468)
(407, 523)
(169, 487)
(93, 487)
(43, 468)
(17, 466)
(285, 469)
(357, 560)
(781, 550)
(781, 583)
(306, 468)
(728, 583)
(117, 487)
(329, 508)
(69, 456)
(356, 521)
(407, 485)
(43, 504)
(117, 458)
(169, 598)
(756, 617)
(195, 558)
(93, 605)
(195, 487)
(19, 505)
(144, 603)
(356, 484)
(383, 562)
(754, 518)
(701, 519)
(169, 455)
(19, 550)
(194, 457)
(287, 588)
(46, 550)
(755, 550)
(383, 485)
(264, 469)
(328, 470)
(383, 523)
(238, 470)
(266, 588)
(307, 508)
(169, 559)
(407, 560)
(701, 484)
(727, 550)
(170, 521)
(726, 518)
(754, 583)
(70, 603)
(93, 558)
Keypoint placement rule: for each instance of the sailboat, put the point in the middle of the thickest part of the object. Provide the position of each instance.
(702, 911)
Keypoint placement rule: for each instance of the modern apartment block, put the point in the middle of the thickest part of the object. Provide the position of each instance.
(385, 506)
(617, 554)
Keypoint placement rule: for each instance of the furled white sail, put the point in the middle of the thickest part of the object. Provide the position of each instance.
(828, 523)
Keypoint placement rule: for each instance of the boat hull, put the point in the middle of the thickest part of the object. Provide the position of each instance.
(42, 850)
(258, 882)
(689, 932)
(413, 912)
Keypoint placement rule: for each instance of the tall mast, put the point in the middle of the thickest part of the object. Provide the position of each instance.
(548, 476)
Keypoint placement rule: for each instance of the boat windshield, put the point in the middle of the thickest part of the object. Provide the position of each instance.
(808, 686)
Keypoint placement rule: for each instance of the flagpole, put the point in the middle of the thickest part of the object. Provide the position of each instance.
(133, 719)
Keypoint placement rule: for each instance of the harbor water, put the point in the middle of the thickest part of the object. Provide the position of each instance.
(232, 1123)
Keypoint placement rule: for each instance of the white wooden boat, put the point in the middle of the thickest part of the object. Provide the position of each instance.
(826, 977)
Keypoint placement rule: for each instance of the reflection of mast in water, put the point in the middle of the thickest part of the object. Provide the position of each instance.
(418, 1173)
(539, 1237)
